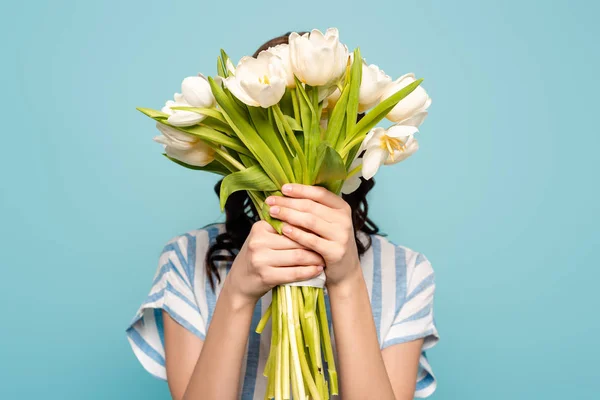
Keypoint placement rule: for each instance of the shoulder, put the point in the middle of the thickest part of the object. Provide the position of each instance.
(186, 252)
(194, 240)
(396, 255)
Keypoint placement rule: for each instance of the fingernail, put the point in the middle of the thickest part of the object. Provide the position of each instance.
(287, 229)
(287, 188)
(320, 268)
(270, 201)
(274, 210)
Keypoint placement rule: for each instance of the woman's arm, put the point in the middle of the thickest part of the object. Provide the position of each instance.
(211, 369)
(365, 371)
(321, 221)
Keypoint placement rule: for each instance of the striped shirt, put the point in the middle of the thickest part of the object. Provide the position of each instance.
(400, 282)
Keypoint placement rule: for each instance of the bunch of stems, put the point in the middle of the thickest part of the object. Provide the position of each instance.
(300, 345)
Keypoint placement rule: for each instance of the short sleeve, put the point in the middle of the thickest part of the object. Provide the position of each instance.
(172, 291)
(414, 320)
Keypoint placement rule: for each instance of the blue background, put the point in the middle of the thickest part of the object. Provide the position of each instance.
(502, 197)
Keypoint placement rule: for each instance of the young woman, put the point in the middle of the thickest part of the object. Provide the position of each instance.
(196, 328)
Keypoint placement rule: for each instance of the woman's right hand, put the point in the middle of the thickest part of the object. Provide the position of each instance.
(268, 259)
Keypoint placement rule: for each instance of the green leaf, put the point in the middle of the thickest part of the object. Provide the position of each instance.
(154, 114)
(209, 112)
(253, 178)
(272, 139)
(378, 113)
(211, 135)
(275, 223)
(335, 124)
(218, 126)
(220, 68)
(355, 80)
(248, 135)
(214, 167)
(293, 123)
(330, 164)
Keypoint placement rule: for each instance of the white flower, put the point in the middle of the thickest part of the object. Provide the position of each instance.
(184, 147)
(389, 146)
(317, 59)
(353, 181)
(412, 109)
(283, 52)
(258, 81)
(373, 84)
(195, 93)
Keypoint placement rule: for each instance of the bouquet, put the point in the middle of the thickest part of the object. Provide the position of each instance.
(290, 115)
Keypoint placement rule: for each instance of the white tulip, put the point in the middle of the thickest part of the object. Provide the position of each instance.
(353, 181)
(389, 146)
(283, 52)
(258, 81)
(412, 109)
(317, 59)
(373, 84)
(195, 93)
(184, 147)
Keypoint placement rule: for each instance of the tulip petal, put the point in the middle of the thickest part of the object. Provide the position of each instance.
(371, 139)
(161, 139)
(353, 182)
(265, 95)
(398, 156)
(199, 155)
(372, 160)
(233, 84)
(401, 131)
(416, 120)
(185, 118)
(175, 134)
(197, 93)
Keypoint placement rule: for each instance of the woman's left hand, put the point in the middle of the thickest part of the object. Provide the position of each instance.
(321, 221)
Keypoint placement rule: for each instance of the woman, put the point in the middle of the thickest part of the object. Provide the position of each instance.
(213, 284)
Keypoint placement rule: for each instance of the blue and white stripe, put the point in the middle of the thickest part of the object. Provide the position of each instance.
(400, 283)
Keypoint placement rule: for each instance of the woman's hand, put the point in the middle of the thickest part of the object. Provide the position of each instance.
(268, 259)
(321, 221)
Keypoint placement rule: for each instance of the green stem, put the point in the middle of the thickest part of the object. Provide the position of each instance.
(273, 352)
(285, 342)
(354, 171)
(296, 368)
(347, 147)
(296, 106)
(265, 318)
(307, 376)
(226, 156)
(278, 366)
(293, 140)
(333, 381)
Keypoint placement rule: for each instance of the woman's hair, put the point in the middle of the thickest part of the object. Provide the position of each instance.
(240, 213)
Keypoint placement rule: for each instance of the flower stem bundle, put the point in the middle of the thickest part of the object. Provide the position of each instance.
(300, 345)
(290, 115)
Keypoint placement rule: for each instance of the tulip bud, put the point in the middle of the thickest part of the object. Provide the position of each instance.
(196, 92)
(412, 109)
(258, 82)
(317, 59)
